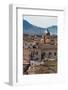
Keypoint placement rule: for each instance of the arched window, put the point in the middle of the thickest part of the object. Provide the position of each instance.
(50, 54)
(54, 53)
(43, 55)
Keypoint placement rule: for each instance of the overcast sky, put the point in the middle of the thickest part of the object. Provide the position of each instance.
(41, 21)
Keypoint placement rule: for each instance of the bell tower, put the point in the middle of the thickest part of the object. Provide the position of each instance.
(47, 37)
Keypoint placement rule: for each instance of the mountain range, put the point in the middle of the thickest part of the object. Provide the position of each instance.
(30, 29)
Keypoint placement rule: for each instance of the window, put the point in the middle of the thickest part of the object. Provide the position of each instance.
(54, 53)
(50, 54)
(43, 55)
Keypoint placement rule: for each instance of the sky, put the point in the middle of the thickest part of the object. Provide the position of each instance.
(41, 21)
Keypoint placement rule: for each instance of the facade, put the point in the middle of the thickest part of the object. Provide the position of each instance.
(38, 50)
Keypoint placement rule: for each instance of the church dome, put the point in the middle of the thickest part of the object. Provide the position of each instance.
(48, 41)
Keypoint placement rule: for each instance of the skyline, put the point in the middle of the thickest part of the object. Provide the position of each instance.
(30, 28)
(41, 21)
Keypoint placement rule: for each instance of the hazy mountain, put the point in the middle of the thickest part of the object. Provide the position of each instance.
(28, 28)
(53, 29)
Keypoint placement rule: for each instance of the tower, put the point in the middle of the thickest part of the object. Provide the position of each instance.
(47, 37)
